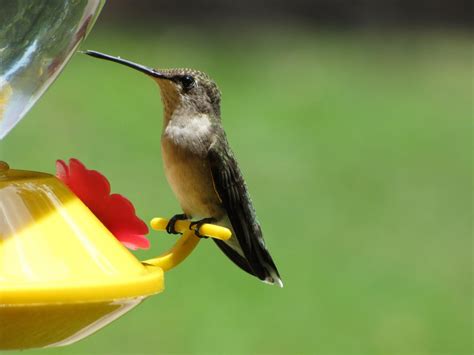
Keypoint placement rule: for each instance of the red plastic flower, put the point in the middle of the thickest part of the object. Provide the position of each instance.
(114, 211)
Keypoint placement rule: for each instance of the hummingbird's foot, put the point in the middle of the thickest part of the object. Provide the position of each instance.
(199, 224)
(170, 226)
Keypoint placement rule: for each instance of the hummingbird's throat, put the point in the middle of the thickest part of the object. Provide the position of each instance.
(170, 99)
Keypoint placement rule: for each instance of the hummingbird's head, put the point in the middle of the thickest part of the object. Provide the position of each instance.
(189, 92)
(185, 92)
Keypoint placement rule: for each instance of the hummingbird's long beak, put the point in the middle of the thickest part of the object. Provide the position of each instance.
(148, 71)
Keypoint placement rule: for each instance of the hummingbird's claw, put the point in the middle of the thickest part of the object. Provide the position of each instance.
(170, 226)
(199, 224)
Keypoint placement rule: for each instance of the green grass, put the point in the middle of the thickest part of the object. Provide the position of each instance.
(357, 149)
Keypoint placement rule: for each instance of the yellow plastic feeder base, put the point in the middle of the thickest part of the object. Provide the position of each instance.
(45, 325)
(63, 275)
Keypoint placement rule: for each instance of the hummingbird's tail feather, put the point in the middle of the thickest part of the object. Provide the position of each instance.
(253, 258)
(265, 262)
(272, 275)
(238, 259)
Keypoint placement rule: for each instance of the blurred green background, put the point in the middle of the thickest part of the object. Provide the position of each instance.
(357, 149)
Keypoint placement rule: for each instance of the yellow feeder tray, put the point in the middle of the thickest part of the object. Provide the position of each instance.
(63, 275)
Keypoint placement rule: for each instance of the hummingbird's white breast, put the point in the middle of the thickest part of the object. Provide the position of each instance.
(191, 133)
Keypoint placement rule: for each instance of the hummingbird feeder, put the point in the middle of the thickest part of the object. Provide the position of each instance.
(63, 274)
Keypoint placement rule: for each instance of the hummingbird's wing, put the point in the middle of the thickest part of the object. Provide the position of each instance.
(232, 190)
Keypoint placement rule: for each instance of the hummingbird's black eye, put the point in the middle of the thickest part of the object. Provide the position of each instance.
(187, 82)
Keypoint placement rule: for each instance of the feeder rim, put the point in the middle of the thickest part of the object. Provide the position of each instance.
(147, 284)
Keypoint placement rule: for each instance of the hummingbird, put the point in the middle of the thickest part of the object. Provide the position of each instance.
(201, 167)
